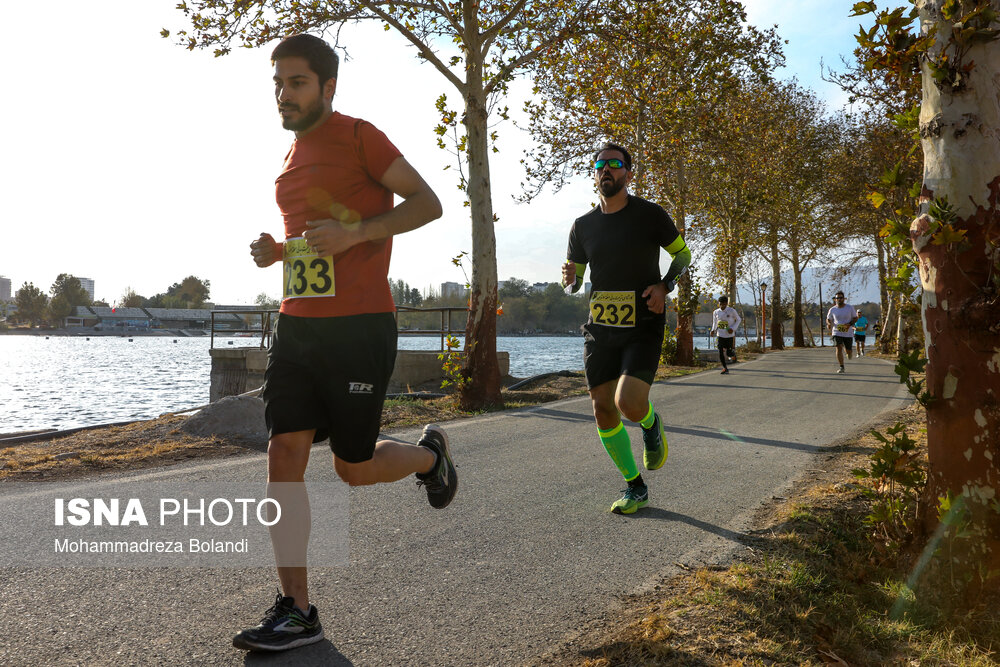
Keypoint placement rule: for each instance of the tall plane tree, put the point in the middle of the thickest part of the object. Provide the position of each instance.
(648, 77)
(491, 41)
(956, 236)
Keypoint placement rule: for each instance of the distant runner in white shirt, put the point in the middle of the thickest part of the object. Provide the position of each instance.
(841, 318)
(724, 323)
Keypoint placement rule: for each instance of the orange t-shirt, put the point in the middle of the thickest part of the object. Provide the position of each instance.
(333, 172)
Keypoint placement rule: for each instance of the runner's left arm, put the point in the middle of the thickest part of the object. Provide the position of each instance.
(419, 206)
(680, 259)
(736, 324)
(656, 294)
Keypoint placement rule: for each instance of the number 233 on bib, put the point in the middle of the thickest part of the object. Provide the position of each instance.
(306, 274)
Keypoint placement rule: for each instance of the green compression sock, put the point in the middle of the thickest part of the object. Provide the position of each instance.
(647, 421)
(619, 448)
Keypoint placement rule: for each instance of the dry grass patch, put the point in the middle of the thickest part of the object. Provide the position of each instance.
(134, 446)
(808, 589)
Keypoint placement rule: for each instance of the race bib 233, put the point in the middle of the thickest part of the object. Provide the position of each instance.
(306, 274)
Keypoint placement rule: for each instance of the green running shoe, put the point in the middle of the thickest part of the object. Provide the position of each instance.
(655, 448)
(634, 498)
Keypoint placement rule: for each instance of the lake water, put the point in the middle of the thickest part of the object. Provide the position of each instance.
(63, 381)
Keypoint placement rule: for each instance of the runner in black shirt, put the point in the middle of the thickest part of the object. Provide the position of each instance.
(621, 240)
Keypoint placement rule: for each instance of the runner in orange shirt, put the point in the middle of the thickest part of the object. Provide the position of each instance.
(334, 343)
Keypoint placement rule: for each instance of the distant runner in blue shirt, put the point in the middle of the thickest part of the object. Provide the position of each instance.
(860, 331)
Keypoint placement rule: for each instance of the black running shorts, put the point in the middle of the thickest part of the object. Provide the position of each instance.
(860, 338)
(725, 343)
(330, 374)
(846, 341)
(609, 353)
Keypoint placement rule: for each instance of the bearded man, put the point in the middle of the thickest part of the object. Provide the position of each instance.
(621, 240)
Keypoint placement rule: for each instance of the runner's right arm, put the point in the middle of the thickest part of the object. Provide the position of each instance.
(572, 269)
(572, 273)
(265, 250)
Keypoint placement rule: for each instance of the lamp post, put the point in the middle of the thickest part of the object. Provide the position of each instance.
(763, 317)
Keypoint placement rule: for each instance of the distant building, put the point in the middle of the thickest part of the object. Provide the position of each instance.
(82, 316)
(87, 284)
(122, 318)
(453, 289)
(702, 323)
(218, 306)
(4, 289)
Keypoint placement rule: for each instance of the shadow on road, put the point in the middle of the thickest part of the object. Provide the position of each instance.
(726, 435)
(852, 374)
(651, 513)
(560, 415)
(803, 390)
(321, 653)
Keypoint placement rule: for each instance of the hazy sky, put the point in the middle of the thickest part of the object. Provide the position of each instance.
(129, 160)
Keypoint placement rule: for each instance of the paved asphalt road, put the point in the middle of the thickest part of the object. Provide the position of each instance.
(525, 556)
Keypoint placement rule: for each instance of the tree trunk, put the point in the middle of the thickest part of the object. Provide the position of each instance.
(482, 382)
(777, 336)
(798, 336)
(901, 339)
(685, 319)
(883, 276)
(960, 292)
(731, 278)
(885, 339)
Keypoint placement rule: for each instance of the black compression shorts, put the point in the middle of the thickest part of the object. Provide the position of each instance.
(610, 353)
(846, 341)
(725, 343)
(330, 374)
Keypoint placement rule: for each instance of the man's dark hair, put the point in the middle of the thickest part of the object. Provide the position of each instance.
(723, 299)
(322, 59)
(838, 294)
(608, 146)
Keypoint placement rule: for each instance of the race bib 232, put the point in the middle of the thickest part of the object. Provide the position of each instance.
(613, 309)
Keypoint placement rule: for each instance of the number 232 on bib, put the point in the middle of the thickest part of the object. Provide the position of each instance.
(306, 274)
(613, 309)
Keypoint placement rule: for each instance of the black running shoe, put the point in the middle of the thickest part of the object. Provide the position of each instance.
(283, 627)
(441, 482)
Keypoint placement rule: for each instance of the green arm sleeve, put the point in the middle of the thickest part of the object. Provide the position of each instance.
(681, 256)
(581, 269)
